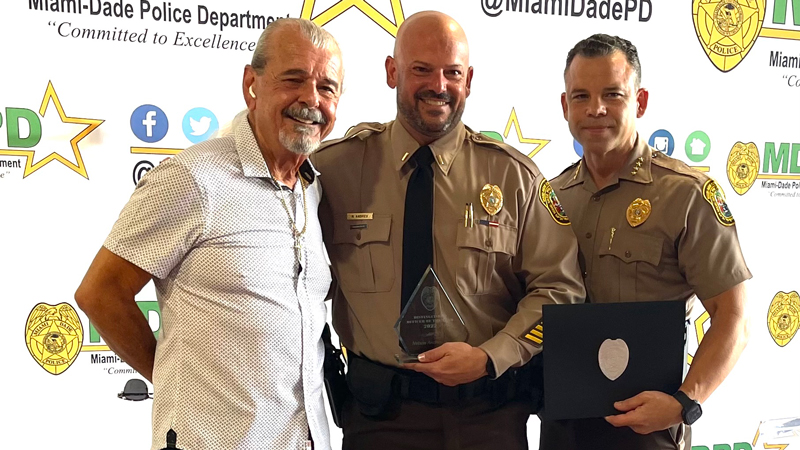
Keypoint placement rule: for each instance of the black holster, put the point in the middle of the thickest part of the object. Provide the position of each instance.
(334, 377)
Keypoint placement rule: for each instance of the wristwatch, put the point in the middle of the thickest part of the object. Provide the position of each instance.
(691, 409)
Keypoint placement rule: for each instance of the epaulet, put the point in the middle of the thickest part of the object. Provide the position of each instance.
(569, 167)
(361, 131)
(675, 165)
(482, 139)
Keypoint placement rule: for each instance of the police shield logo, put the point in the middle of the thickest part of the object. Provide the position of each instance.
(727, 29)
(716, 198)
(784, 317)
(430, 297)
(743, 164)
(550, 201)
(54, 336)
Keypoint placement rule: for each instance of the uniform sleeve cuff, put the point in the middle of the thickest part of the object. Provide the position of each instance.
(505, 352)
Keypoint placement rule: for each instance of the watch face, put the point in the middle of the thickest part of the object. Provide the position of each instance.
(692, 413)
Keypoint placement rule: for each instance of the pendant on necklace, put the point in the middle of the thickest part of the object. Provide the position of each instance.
(298, 249)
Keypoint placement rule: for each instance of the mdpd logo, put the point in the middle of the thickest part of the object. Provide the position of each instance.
(779, 168)
(727, 29)
(783, 317)
(25, 140)
(742, 167)
(54, 336)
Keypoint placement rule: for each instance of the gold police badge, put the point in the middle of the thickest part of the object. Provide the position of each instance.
(716, 198)
(550, 201)
(54, 336)
(743, 164)
(784, 317)
(491, 199)
(638, 212)
(727, 29)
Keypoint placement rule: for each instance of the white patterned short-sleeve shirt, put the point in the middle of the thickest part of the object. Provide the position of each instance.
(239, 358)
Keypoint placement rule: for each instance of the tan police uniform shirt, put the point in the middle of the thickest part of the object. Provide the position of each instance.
(685, 242)
(497, 277)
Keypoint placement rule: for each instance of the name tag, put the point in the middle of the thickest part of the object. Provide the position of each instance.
(359, 216)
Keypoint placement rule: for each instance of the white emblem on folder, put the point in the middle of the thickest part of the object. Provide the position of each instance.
(613, 358)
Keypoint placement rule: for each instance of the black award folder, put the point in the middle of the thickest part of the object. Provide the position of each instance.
(596, 354)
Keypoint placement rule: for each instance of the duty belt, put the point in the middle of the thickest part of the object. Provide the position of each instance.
(411, 385)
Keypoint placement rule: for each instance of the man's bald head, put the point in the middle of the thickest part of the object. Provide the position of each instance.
(430, 69)
(430, 25)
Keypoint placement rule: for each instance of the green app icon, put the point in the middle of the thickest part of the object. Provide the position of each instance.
(698, 146)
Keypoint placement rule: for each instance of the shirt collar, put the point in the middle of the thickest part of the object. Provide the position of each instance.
(444, 149)
(253, 164)
(636, 168)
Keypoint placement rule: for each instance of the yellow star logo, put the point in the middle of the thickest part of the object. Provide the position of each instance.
(539, 143)
(79, 168)
(343, 5)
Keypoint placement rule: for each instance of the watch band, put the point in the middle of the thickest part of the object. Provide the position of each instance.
(691, 408)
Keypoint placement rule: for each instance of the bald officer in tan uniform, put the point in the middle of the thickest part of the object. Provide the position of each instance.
(498, 272)
(649, 228)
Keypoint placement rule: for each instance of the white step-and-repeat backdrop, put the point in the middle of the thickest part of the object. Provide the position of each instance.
(94, 93)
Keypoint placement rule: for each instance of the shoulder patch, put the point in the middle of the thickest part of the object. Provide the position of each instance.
(535, 335)
(550, 201)
(361, 131)
(716, 198)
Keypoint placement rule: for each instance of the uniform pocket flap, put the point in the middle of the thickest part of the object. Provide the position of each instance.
(500, 239)
(632, 247)
(360, 232)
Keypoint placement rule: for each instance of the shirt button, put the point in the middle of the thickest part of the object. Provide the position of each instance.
(628, 254)
(358, 235)
(489, 242)
(588, 235)
(596, 198)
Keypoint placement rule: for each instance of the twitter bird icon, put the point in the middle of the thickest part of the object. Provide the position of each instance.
(199, 127)
(199, 124)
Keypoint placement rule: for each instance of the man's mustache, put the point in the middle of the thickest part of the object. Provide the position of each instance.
(305, 113)
(430, 95)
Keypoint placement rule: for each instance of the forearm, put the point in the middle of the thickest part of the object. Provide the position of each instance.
(127, 333)
(107, 295)
(716, 354)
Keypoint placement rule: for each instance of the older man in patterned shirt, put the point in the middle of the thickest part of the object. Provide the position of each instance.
(228, 232)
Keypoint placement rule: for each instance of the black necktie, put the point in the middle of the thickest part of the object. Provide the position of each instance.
(417, 223)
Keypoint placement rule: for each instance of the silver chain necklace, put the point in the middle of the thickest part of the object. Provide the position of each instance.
(297, 234)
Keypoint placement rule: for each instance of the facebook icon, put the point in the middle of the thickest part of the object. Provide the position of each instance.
(149, 123)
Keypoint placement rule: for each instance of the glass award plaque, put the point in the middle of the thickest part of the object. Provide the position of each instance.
(428, 320)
